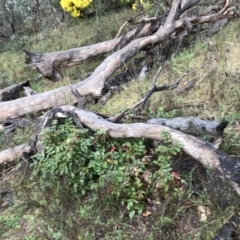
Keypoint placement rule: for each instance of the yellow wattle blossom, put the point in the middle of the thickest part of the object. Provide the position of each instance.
(74, 6)
(144, 3)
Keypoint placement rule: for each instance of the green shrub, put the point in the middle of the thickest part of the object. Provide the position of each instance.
(85, 162)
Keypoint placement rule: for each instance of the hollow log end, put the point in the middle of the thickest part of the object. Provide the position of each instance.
(26, 83)
(222, 125)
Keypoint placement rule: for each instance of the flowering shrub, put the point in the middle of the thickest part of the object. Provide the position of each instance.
(144, 3)
(75, 6)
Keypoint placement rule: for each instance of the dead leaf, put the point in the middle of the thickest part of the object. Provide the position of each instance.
(147, 213)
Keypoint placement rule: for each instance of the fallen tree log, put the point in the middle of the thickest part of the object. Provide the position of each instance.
(48, 64)
(35, 103)
(198, 149)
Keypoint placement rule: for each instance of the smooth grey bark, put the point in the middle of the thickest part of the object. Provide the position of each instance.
(192, 125)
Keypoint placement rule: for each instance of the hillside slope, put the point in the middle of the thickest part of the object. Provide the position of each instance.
(53, 213)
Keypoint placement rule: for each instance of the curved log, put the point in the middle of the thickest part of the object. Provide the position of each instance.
(198, 149)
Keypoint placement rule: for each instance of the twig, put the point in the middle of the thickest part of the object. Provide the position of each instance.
(157, 73)
(187, 86)
(130, 20)
(154, 88)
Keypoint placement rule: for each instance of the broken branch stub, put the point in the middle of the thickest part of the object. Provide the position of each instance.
(14, 153)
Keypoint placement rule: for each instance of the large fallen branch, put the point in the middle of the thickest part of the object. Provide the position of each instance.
(199, 149)
(48, 64)
(14, 153)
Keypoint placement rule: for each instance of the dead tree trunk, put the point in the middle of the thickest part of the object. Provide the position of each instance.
(48, 64)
